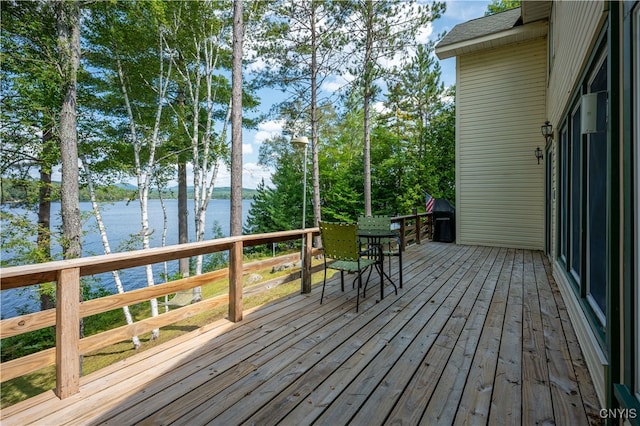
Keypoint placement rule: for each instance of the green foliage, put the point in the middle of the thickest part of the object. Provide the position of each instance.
(497, 6)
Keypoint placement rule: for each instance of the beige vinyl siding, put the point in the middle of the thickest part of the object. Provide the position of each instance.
(576, 26)
(500, 185)
(572, 41)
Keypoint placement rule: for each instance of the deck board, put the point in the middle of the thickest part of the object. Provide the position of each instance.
(477, 335)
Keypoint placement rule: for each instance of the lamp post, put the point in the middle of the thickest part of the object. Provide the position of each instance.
(300, 141)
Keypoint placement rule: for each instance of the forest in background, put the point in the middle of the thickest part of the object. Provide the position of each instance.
(25, 192)
(154, 92)
(143, 91)
(150, 86)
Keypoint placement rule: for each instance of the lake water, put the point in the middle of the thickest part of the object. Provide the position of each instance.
(121, 220)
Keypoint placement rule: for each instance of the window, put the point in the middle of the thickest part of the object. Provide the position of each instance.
(562, 189)
(583, 182)
(575, 196)
(596, 212)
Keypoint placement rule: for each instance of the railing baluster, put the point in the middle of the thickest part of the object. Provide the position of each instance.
(235, 282)
(306, 272)
(68, 333)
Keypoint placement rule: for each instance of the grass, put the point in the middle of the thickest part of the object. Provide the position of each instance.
(27, 386)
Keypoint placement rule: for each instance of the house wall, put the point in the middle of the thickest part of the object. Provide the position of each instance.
(574, 31)
(500, 185)
(576, 26)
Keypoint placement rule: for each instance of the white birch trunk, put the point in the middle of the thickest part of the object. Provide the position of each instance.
(145, 172)
(107, 248)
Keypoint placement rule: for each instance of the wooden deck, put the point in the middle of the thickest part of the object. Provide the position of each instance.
(477, 335)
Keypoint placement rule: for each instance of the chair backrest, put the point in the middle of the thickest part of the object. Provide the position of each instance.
(340, 240)
(374, 222)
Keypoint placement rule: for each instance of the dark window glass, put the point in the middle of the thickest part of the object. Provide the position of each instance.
(597, 198)
(564, 149)
(575, 197)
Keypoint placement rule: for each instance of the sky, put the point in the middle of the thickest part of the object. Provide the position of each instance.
(457, 12)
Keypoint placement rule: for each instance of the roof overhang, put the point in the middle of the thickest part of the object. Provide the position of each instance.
(490, 41)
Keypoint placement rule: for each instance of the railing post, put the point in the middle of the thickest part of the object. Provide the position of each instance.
(68, 332)
(418, 229)
(306, 271)
(403, 239)
(235, 282)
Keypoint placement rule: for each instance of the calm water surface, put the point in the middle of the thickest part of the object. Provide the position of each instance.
(122, 220)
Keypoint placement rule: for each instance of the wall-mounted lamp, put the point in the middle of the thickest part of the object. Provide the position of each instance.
(547, 130)
(539, 155)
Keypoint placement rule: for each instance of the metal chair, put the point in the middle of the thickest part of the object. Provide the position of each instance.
(340, 243)
(390, 246)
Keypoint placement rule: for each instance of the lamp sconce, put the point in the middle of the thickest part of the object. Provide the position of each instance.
(539, 154)
(547, 130)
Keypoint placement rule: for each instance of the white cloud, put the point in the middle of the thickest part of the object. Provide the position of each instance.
(424, 33)
(267, 130)
(336, 83)
(252, 174)
(380, 108)
(247, 148)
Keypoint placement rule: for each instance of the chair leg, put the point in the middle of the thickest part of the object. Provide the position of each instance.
(342, 280)
(400, 265)
(324, 282)
(358, 290)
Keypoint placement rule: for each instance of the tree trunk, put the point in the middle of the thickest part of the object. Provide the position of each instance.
(314, 123)
(68, 21)
(47, 301)
(236, 122)
(368, 94)
(183, 216)
(107, 247)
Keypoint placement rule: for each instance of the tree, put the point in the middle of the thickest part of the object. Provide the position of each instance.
(418, 106)
(31, 100)
(236, 122)
(128, 46)
(497, 6)
(272, 207)
(380, 31)
(68, 24)
(301, 53)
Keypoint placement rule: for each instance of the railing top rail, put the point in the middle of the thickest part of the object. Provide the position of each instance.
(410, 216)
(20, 276)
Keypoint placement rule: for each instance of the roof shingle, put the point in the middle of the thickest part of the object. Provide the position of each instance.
(485, 25)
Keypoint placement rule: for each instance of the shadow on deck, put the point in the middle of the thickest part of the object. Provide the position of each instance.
(477, 335)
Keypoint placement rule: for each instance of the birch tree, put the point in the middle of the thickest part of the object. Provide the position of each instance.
(200, 40)
(129, 47)
(105, 241)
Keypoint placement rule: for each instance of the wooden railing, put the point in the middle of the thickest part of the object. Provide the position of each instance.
(414, 228)
(69, 310)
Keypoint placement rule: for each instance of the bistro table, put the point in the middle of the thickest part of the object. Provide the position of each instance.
(374, 239)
